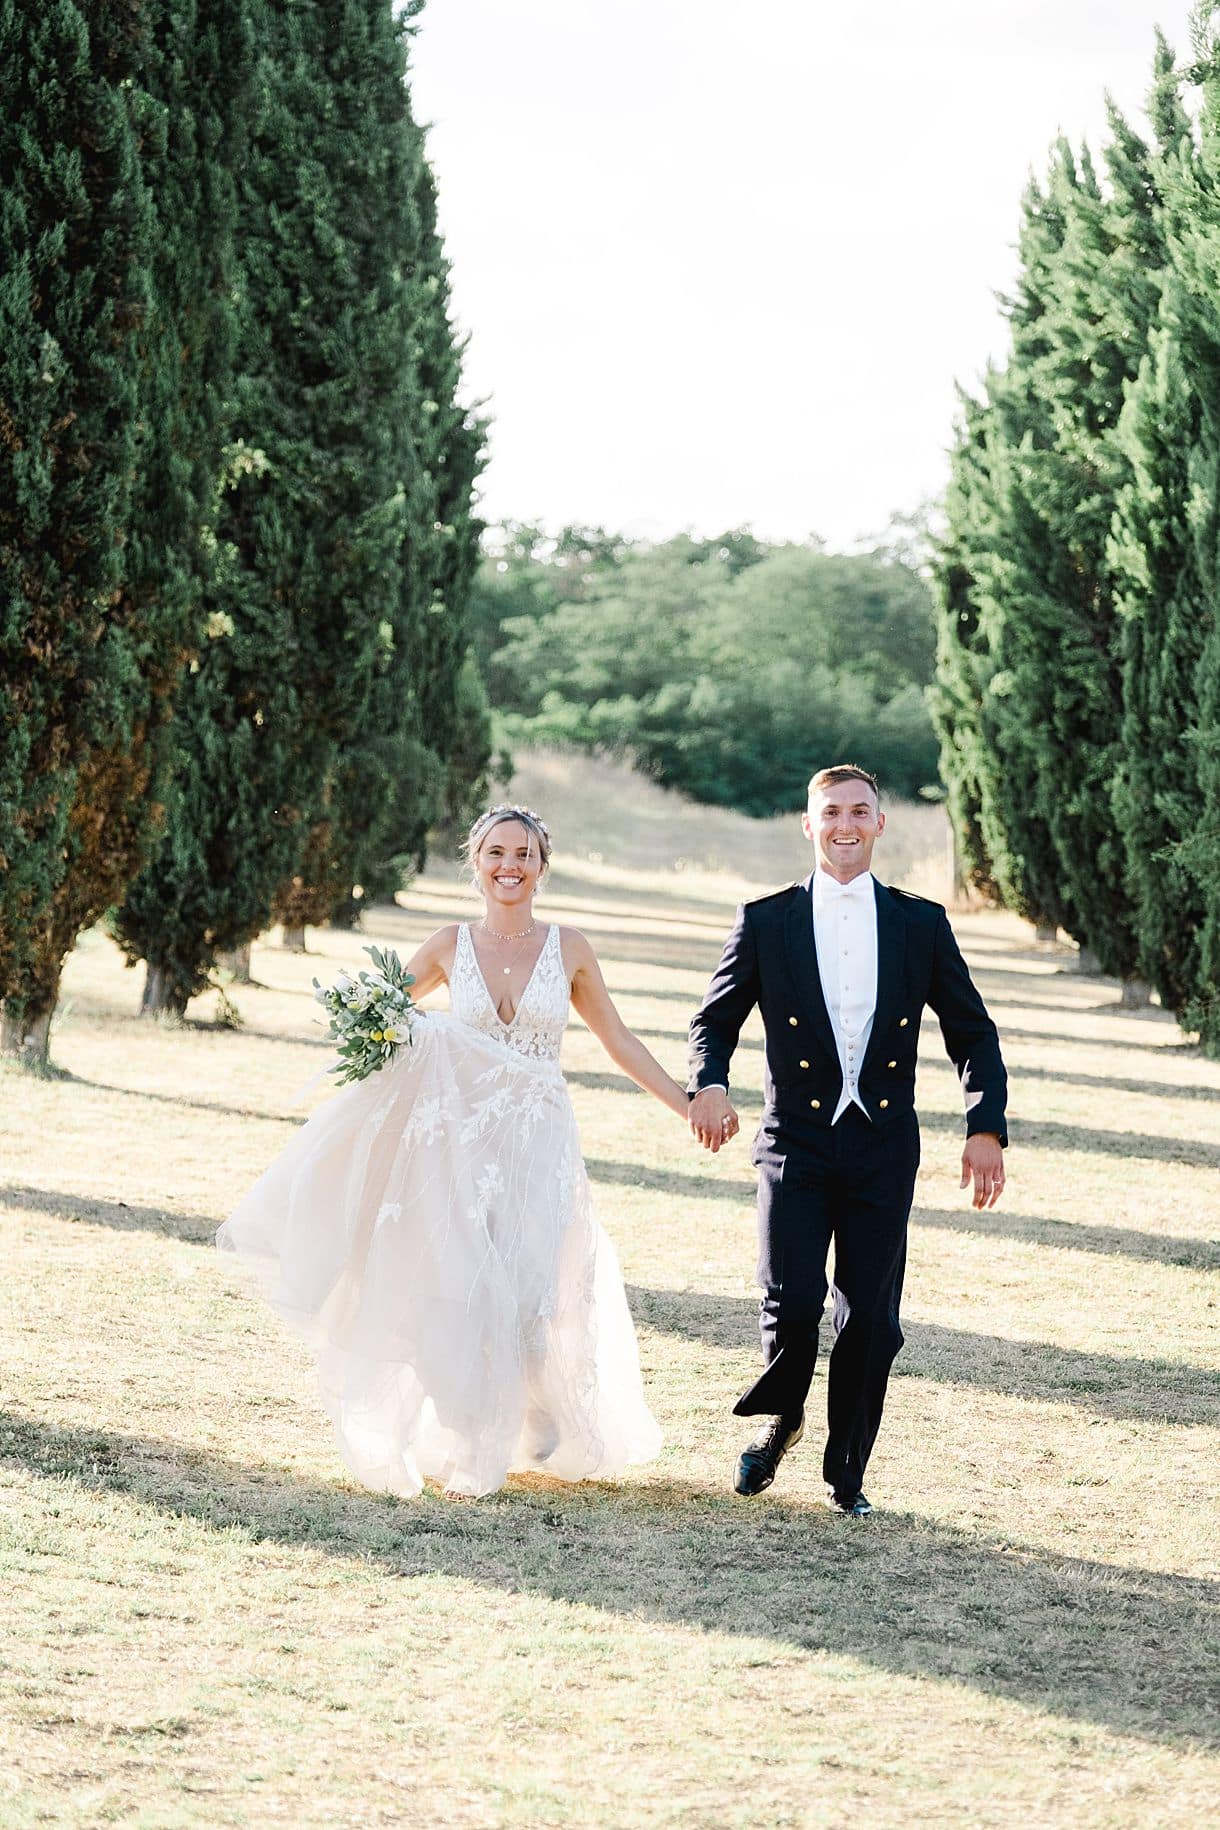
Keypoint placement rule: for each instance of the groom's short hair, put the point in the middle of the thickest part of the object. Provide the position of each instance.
(841, 772)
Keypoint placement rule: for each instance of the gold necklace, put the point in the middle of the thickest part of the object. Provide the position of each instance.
(523, 936)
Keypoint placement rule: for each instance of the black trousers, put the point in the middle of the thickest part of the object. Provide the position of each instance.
(853, 1183)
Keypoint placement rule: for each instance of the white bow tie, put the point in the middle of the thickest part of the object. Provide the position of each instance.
(858, 889)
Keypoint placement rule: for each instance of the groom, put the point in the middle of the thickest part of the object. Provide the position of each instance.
(840, 968)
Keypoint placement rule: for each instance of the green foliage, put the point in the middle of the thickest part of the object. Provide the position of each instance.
(370, 1016)
(724, 668)
(1030, 699)
(1193, 320)
(964, 668)
(115, 333)
(303, 752)
(1164, 619)
(1078, 692)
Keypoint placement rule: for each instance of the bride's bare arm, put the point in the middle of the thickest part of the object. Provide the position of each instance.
(593, 1003)
(432, 963)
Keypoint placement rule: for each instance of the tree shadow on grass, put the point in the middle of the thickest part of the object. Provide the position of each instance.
(1150, 1087)
(123, 1216)
(1132, 1651)
(689, 1000)
(1107, 1385)
(1050, 1134)
(194, 1105)
(1069, 1039)
(683, 1183)
(711, 912)
(1075, 1236)
(672, 954)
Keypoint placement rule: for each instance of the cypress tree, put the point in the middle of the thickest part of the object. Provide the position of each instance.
(453, 705)
(1163, 617)
(426, 742)
(963, 668)
(196, 77)
(988, 669)
(314, 515)
(1052, 712)
(1162, 612)
(1193, 321)
(426, 739)
(114, 330)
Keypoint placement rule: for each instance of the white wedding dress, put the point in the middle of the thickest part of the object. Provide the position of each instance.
(430, 1234)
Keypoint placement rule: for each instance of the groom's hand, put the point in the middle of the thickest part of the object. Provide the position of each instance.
(983, 1163)
(712, 1118)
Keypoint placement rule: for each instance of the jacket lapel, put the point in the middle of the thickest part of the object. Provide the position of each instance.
(891, 955)
(803, 965)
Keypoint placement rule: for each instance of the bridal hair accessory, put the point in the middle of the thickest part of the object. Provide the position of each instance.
(370, 1015)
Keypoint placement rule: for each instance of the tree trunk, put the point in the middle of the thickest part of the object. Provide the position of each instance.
(160, 997)
(26, 1038)
(237, 964)
(958, 891)
(1088, 962)
(294, 940)
(346, 914)
(1137, 994)
(1045, 933)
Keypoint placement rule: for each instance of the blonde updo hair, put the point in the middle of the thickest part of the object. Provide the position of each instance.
(497, 816)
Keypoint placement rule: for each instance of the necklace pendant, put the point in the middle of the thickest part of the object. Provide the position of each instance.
(507, 970)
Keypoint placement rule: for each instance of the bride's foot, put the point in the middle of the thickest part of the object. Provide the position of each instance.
(455, 1493)
(540, 1434)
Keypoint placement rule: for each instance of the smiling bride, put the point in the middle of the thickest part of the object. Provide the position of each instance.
(430, 1232)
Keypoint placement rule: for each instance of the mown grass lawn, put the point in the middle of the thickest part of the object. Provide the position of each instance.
(204, 1623)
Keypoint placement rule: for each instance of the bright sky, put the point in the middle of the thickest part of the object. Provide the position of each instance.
(722, 263)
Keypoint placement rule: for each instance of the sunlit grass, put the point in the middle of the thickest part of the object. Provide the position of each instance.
(202, 1622)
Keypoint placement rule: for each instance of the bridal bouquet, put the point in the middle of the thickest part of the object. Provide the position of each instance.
(370, 1015)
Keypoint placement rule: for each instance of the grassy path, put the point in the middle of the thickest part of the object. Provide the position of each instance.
(203, 1623)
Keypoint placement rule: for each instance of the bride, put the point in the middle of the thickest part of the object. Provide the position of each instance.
(430, 1233)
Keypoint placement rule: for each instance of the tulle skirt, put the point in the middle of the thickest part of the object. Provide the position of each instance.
(429, 1234)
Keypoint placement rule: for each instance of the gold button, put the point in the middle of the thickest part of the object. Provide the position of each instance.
(902, 1022)
(891, 1064)
(804, 1064)
(884, 1104)
(816, 1104)
(792, 1020)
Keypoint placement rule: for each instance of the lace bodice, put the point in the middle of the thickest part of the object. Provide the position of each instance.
(541, 1017)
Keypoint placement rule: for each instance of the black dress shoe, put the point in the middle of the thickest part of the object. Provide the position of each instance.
(758, 1461)
(851, 1505)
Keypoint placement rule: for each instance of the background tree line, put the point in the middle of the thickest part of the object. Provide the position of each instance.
(719, 666)
(236, 535)
(1078, 685)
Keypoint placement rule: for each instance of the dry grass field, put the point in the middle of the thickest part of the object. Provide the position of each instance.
(204, 1623)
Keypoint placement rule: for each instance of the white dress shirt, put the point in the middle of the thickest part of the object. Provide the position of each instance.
(845, 935)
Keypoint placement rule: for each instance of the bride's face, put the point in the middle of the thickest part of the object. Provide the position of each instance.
(509, 865)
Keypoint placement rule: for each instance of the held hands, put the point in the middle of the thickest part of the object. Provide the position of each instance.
(712, 1118)
(983, 1160)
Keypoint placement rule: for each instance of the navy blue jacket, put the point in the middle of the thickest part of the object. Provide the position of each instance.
(770, 960)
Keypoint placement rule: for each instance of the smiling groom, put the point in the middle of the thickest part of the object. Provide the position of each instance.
(841, 968)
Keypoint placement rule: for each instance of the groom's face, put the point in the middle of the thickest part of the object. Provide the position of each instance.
(844, 822)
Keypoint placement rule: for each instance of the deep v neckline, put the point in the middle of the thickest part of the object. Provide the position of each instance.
(525, 989)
